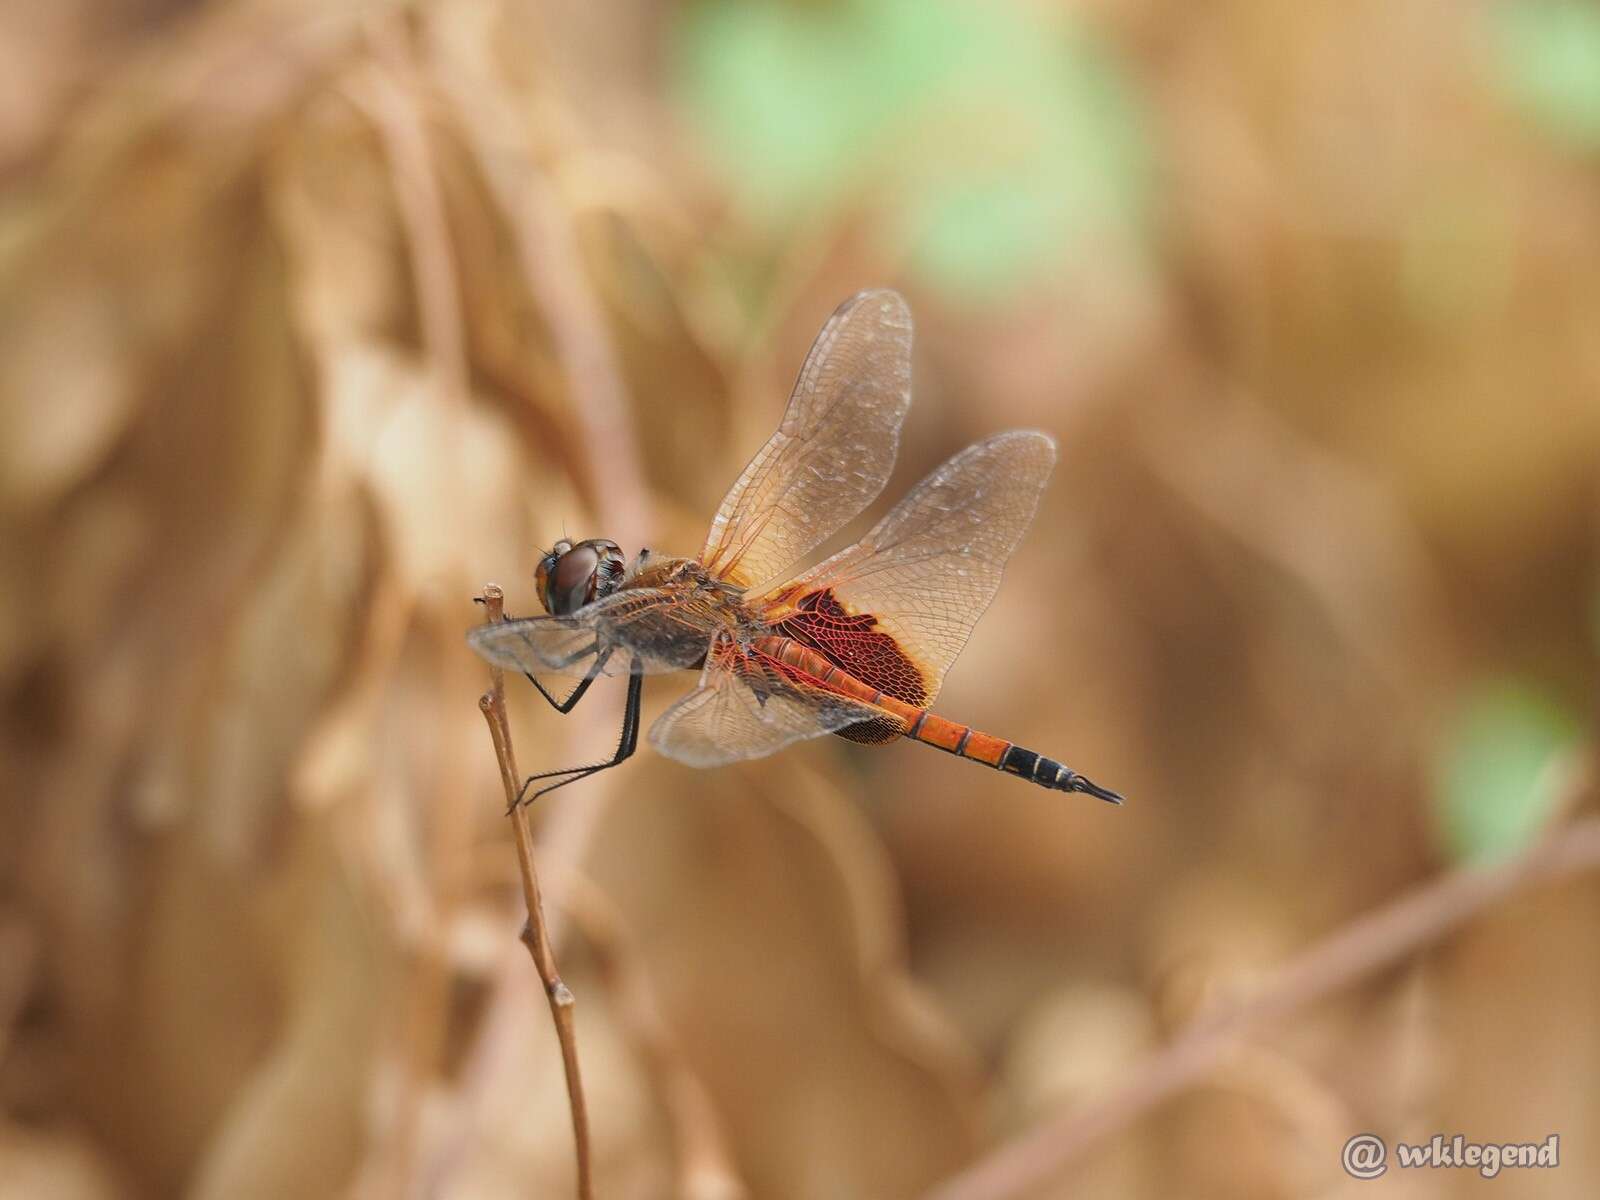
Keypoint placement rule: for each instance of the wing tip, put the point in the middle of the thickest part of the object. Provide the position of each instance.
(886, 299)
(695, 753)
(1036, 441)
(1037, 436)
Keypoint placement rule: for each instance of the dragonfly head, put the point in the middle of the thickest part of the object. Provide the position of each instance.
(573, 574)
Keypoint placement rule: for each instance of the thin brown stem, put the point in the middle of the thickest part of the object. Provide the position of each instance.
(1361, 948)
(535, 933)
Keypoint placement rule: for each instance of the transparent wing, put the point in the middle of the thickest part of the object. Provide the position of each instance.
(927, 571)
(748, 706)
(653, 629)
(833, 452)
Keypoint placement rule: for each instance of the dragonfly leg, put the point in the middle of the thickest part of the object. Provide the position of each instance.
(565, 706)
(626, 745)
(578, 655)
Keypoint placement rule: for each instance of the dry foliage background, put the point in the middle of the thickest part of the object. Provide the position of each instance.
(315, 317)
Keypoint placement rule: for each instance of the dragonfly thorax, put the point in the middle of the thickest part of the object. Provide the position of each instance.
(571, 574)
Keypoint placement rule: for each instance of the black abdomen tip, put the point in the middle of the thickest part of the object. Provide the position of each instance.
(1047, 772)
(1064, 779)
(1073, 782)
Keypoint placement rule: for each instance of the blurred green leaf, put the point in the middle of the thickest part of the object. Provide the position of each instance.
(1494, 794)
(994, 142)
(1549, 52)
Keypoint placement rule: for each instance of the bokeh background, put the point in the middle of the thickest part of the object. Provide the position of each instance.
(314, 318)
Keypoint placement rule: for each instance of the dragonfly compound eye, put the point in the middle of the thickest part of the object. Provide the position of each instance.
(542, 576)
(572, 581)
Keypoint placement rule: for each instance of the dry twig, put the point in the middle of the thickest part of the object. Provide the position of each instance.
(535, 933)
(1345, 957)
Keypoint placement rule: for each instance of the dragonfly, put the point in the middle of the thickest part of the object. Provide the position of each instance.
(857, 645)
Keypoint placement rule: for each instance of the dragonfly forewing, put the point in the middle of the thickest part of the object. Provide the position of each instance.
(649, 631)
(831, 455)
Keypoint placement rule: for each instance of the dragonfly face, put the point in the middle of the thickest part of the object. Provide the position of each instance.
(856, 645)
(570, 576)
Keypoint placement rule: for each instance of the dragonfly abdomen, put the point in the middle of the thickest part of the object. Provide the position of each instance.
(922, 725)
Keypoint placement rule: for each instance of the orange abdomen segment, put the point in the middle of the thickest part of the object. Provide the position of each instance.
(961, 740)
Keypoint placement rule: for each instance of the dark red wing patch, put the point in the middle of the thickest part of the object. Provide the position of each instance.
(852, 642)
(879, 731)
